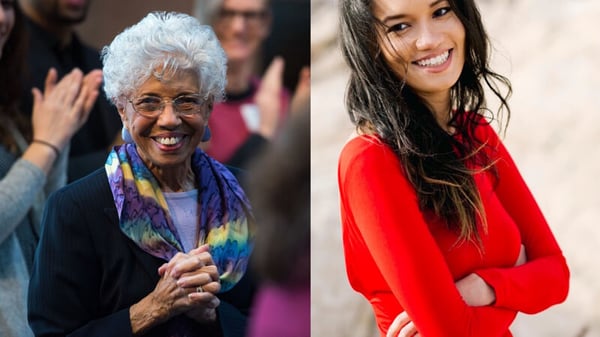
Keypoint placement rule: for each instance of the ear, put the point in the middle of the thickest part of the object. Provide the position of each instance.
(209, 107)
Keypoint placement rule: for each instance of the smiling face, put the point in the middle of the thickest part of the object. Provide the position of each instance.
(167, 141)
(423, 41)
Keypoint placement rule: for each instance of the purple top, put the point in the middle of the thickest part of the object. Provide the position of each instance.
(281, 311)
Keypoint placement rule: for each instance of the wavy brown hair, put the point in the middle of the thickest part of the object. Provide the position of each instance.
(12, 66)
(439, 166)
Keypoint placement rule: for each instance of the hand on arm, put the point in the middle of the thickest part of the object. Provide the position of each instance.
(402, 326)
(387, 215)
(473, 290)
(476, 292)
(544, 280)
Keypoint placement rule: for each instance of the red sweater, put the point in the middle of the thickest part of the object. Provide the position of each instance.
(400, 258)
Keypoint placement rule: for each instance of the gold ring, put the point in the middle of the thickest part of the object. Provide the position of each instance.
(199, 289)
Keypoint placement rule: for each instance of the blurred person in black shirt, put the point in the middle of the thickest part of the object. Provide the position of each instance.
(53, 43)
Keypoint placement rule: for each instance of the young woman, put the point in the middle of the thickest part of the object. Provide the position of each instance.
(441, 234)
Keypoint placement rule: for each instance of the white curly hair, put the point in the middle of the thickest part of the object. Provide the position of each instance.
(169, 42)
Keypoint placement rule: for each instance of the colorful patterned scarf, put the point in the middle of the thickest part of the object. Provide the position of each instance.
(144, 217)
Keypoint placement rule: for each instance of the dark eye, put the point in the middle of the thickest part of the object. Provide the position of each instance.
(226, 14)
(442, 11)
(188, 103)
(147, 100)
(398, 27)
(254, 15)
(148, 103)
(188, 100)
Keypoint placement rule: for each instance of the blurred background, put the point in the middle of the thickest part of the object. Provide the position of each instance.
(289, 37)
(550, 51)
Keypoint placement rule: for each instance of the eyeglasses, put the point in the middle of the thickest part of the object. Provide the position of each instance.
(152, 106)
(253, 18)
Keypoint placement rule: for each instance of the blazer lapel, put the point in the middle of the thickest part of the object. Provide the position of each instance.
(149, 263)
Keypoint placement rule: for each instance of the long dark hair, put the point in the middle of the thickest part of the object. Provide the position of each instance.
(12, 65)
(439, 166)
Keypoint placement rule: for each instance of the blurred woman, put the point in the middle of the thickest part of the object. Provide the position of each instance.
(279, 188)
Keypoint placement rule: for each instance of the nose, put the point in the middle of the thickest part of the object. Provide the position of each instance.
(238, 22)
(2, 14)
(168, 117)
(427, 38)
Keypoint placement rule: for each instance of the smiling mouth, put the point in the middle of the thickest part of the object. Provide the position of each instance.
(434, 61)
(168, 141)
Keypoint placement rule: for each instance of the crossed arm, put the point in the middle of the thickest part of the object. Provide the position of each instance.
(373, 188)
(517, 288)
(472, 288)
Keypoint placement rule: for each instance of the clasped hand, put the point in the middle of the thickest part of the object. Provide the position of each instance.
(188, 285)
(184, 275)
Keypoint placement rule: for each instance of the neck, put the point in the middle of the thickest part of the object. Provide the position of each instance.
(239, 75)
(441, 108)
(177, 179)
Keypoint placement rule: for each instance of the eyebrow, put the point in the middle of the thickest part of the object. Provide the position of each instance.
(401, 16)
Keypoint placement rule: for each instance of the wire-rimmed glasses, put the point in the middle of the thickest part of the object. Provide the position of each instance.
(152, 106)
(254, 18)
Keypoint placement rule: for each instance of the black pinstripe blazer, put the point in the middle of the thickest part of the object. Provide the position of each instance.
(87, 273)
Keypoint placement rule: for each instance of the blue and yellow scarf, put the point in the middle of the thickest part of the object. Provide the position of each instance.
(223, 209)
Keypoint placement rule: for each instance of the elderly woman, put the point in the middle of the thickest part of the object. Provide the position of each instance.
(157, 242)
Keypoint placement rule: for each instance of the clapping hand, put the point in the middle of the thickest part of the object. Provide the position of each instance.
(268, 98)
(64, 106)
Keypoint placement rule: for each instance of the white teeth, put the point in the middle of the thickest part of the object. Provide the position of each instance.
(169, 140)
(434, 61)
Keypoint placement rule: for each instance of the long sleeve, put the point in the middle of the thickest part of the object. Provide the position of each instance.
(544, 280)
(57, 177)
(64, 290)
(87, 273)
(380, 205)
(18, 190)
(25, 186)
